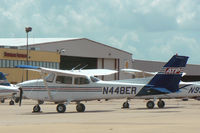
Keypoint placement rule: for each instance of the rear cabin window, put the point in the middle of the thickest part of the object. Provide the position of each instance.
(81, 81)
(64, 80)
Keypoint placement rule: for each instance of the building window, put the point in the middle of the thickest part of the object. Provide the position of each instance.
(23, 62)
(45, 64)
(3, 63)
(33, 63)
(7, 63)
(15, 63)
(37, 63)
(57, 65)
(51, 64)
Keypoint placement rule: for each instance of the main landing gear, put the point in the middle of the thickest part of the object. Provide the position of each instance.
(125, 105)
(61, 108)
(150, 104)
(80, 107)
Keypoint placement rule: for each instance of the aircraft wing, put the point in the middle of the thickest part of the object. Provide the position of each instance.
(89, 72)
(139, 73)
(96, 72)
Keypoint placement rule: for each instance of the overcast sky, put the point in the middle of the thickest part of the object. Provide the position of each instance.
(149, 29)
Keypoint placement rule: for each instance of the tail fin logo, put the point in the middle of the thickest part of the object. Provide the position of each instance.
(173, 70)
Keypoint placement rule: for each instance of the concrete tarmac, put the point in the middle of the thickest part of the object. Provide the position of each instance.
(102, 117)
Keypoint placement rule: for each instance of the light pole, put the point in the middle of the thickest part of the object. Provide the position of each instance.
(27, 29)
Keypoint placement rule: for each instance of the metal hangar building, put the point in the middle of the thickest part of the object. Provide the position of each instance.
(84, 53)
(66, 54)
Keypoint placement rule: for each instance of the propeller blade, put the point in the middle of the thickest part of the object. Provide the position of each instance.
(20, 97)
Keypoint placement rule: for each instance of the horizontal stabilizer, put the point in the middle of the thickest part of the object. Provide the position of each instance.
(190, 78)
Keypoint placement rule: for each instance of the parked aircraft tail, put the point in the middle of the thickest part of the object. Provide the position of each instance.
(3, 80)
(167, 80)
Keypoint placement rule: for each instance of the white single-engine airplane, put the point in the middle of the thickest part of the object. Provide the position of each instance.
(7, 90)
(63, 86)
(189, 87)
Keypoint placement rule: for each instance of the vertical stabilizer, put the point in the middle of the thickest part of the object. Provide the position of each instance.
(168, 78)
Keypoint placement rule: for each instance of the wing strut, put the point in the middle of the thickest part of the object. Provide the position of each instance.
(45, 83)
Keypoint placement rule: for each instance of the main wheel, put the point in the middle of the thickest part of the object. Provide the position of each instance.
(150, 104)
(125, 105)
(61, 108)
(36, 108)
(161, 104)
(2, 100)
(11, 102)
(80, 107)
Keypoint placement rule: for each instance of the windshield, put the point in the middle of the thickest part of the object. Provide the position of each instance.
(50, 77)
(94, 79)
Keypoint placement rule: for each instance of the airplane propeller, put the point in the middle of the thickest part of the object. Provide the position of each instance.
(20, 96)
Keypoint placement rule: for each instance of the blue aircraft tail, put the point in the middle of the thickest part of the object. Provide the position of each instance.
(3, 80)
(167, 80)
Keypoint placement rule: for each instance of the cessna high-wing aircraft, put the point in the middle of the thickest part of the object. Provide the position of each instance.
(7, 90)
(189, 87)
(64, 86)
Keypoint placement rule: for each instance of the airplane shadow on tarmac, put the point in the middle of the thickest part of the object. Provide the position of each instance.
(164, 110)
(46, 113)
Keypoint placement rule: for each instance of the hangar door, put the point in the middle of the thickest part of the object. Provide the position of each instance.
(70, 62)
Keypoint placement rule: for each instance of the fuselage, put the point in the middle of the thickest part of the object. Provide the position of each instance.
(186, 90)
(62, 89)
(8, 91)
(58, 92)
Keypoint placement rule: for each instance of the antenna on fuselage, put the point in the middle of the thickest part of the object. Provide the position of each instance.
(84, 67)
(75, 67)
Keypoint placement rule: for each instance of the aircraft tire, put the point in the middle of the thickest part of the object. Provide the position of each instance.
(16, 99)
(2, 100)
(150, 104)
(11, 102)
(36, 108)
(80, 107)
(125, 105)
(61, 108)
(161, 104)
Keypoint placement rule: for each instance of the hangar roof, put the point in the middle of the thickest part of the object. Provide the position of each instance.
(22, 41)
(82, 47)
(75, 39)
(9, 42)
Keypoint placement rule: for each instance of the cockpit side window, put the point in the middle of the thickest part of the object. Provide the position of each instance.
(63, 79)
(50, 77)
(81, 80)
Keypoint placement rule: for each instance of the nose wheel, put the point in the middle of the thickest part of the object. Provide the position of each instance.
(2, 100)
(36, 108)
(11, 102)
(125, 105)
